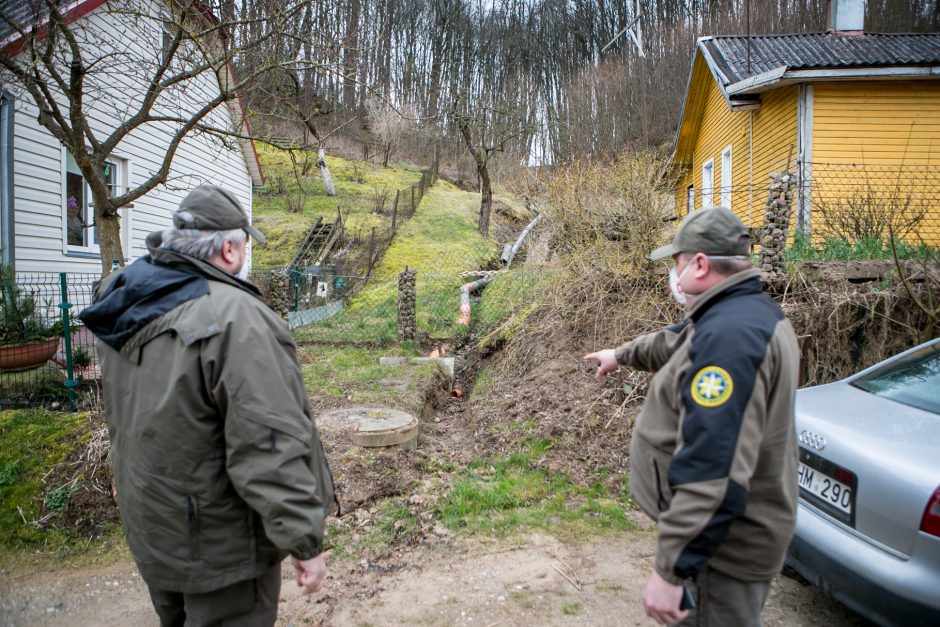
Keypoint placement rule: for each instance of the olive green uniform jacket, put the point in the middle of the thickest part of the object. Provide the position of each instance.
(218, 467)
(713, 456)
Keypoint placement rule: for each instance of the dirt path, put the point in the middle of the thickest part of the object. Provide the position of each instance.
(535, 580)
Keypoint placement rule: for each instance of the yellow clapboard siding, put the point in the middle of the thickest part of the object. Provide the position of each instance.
(878, 136)
(892, 111)
(866, 121)
(879, 140)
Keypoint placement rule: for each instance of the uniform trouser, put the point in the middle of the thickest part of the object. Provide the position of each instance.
(723, 601)
(249, 603)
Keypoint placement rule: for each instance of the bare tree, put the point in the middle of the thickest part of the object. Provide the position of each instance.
(486, 133)
(388, 124)
(170, 74)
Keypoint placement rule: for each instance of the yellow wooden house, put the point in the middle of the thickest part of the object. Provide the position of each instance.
(853, 116)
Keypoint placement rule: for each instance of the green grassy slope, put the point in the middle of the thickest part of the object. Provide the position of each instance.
(439, 241)
(356, 183)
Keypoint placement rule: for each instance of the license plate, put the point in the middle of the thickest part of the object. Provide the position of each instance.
(828, 490)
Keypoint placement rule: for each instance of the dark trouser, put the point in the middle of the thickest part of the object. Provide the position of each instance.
(723, 601)
(249, 603)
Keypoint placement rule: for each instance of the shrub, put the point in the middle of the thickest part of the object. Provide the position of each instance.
(20, 322)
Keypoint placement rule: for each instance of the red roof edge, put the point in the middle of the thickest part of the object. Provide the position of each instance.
(81, 8)
(78, 9)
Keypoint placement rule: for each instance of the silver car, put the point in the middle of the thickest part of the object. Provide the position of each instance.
(868, 524)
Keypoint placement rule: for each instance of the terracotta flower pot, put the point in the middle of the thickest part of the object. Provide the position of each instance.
(26, 356)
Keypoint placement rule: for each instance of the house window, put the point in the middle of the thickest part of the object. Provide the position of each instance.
(690, 201)
(726, 177)
(708, 184)
(79, 210)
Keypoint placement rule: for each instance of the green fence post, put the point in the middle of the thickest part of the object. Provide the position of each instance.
(296, 288)
(65, 305)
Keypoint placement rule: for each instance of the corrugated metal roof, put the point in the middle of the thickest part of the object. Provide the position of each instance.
(820, 51)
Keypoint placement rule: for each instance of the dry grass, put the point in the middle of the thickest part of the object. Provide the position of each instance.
(601, 221)
(844, 327)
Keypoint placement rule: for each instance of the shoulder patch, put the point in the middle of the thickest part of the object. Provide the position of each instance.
(711, 386)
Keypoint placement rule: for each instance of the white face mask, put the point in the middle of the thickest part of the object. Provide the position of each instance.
(674, 279)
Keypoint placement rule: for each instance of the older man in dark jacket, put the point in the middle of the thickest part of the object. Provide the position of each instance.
(219, 470)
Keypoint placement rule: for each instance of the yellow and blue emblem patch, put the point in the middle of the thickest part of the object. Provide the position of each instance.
(712, 386)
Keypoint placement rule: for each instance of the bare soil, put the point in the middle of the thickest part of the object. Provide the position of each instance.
(427, 575)
(528, 580)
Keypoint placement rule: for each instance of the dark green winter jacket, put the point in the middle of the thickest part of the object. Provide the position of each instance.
(219, 469)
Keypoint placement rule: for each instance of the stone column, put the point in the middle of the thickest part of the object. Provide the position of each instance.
(277, 294)
(773, 239)
(407, 300)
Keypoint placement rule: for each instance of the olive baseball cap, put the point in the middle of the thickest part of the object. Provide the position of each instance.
(714, 231)
(211, 208)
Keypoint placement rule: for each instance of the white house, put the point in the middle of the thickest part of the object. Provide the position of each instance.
(46, 216)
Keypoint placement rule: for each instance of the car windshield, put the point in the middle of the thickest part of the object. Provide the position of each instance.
(913, 380)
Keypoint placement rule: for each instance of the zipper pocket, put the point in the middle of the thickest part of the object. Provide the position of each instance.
(192, 525)
(661, 499)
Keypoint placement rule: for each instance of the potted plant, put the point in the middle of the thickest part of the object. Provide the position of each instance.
(27, 339)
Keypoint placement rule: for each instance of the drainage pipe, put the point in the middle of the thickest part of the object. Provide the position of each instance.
(465, 290)
(520, 239)
(506, 258)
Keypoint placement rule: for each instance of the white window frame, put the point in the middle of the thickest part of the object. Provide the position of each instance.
(121, 165)
(690, 199)
(726, 178)
(708, 183)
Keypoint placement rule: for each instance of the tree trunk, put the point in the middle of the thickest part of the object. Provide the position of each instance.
(644, 113)
(325, 173)
(108, 225)
(437, 52)
(486, 191)
(351, 57)
(486, 201)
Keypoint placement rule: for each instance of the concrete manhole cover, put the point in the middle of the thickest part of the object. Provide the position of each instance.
(373, 426)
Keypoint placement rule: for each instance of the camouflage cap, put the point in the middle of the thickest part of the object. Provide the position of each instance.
(713, 231)
(211, 208)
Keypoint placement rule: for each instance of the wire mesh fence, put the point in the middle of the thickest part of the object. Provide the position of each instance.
(868, 204)
(57, 363)
(357, 309)
(844, 210)
(357, 250)
(45, 355)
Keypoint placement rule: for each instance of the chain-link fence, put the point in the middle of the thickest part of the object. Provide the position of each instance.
(865, 205)
(46, 356)
(59, 355)
(336, 308)
(844, 210)
(356, 251)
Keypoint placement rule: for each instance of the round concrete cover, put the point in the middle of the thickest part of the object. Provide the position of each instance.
(372, 426)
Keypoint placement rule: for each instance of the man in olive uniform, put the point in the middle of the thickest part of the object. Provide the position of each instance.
(713, 456)
(219, 471)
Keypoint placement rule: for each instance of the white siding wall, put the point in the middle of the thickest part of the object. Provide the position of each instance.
(39, 223)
